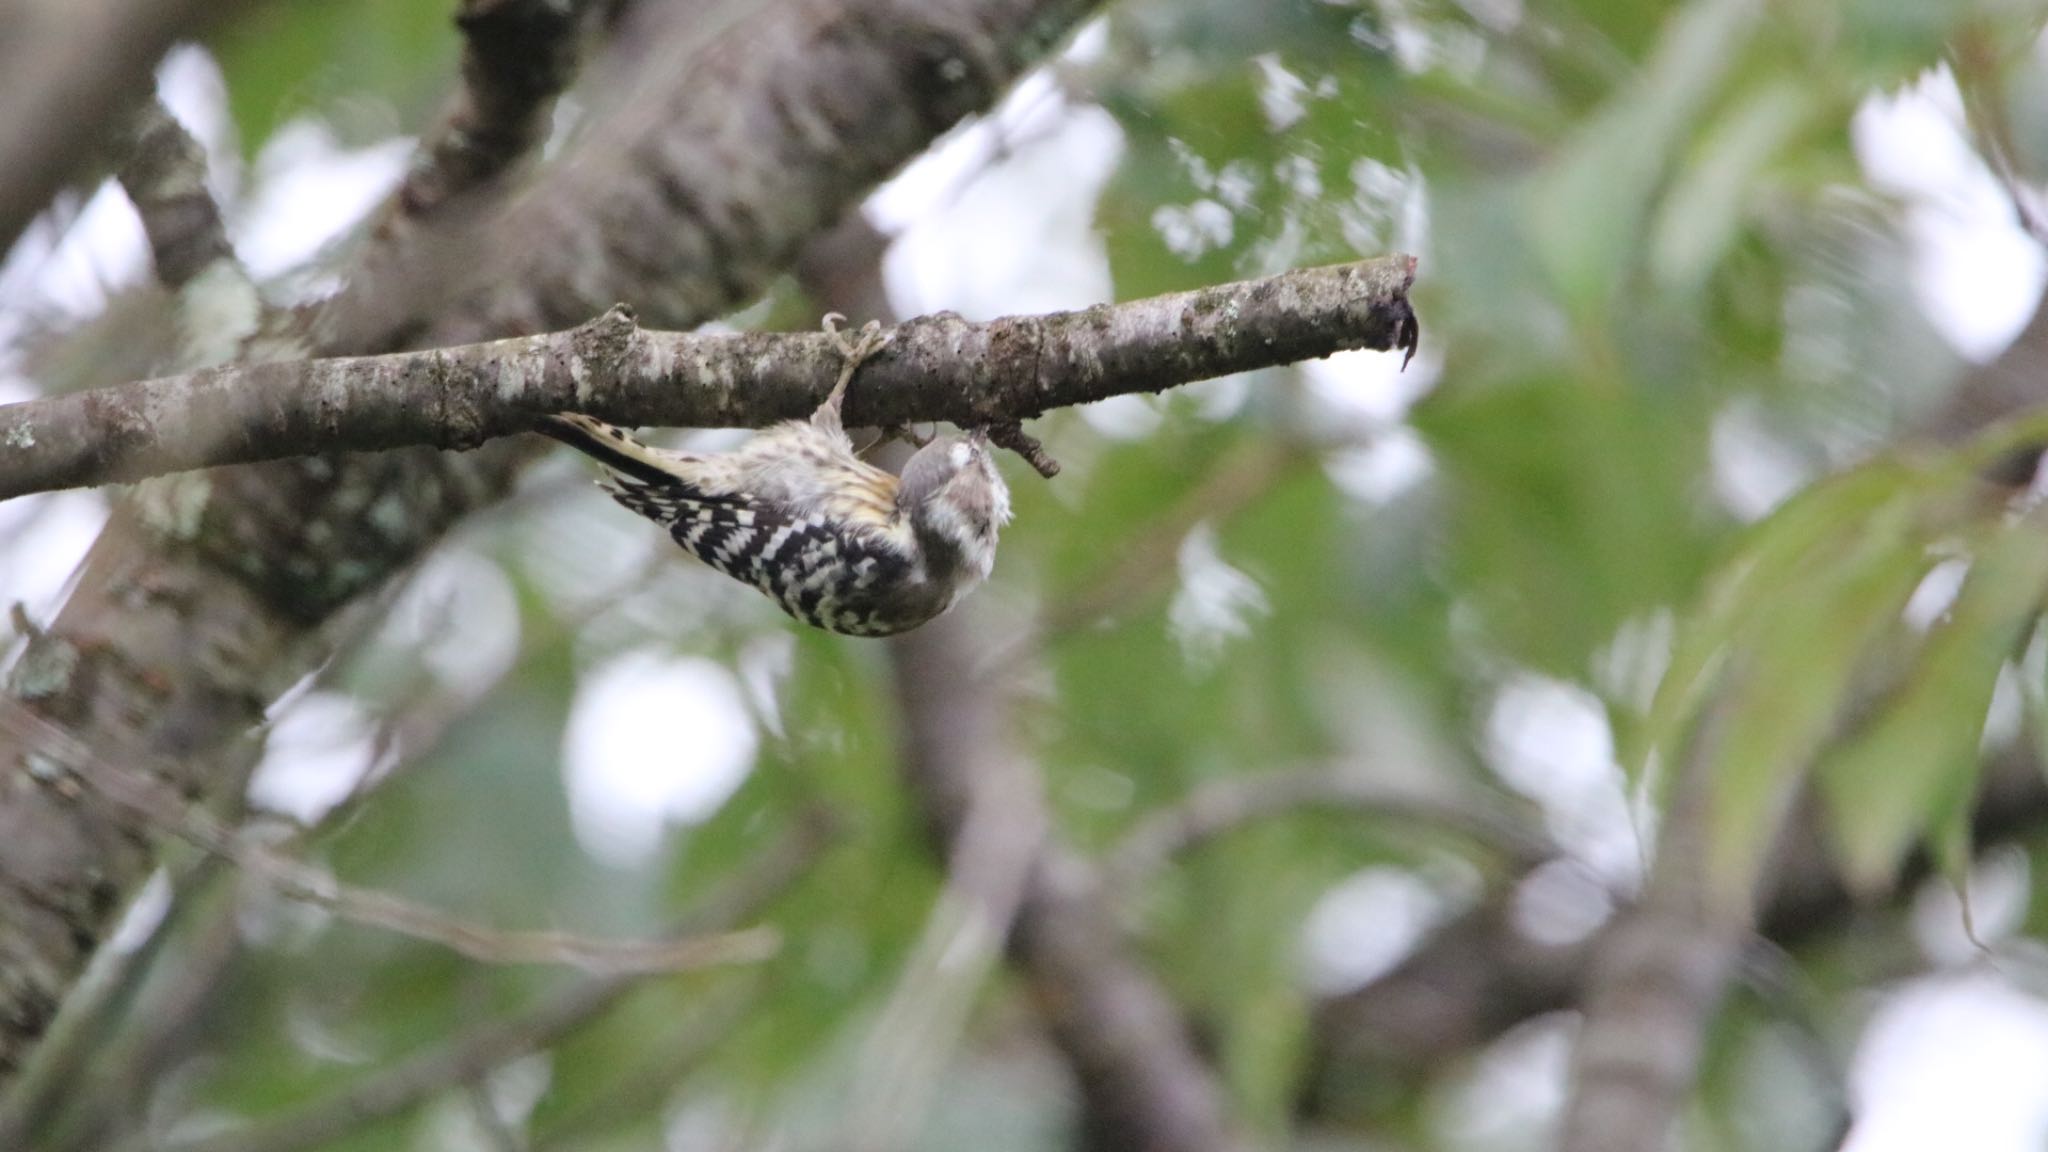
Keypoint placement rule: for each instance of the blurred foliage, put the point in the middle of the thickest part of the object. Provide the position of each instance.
(1654, 277)
(367, 68)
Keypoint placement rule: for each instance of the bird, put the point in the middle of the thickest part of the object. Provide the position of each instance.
(838, 543)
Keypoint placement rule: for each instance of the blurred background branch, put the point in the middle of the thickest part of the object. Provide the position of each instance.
(69, 70)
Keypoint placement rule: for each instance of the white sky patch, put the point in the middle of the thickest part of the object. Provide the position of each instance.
(1221, 398)
(71, 272)
(765, 662)
(144, 916)
(652, 741)
(1215, 602)
(1283, 96)
(1561, 903)
(191, 85)
(1190, 231)
(1366, 395)
(317, 751)
(1364, 926)
(1380, 470)
(1131, 417)
(1753, 471)
(1936, 592)
(42, 539)
(1367, 389)
(999, 217)
(1550, 740)
(1979, 274)
(1953, 1062)
(1515, 1093)
(460, 616)
(1629, 670)
(309, 190)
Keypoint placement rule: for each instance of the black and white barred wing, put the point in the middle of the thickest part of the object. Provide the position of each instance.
(820, 569)
(802, 521)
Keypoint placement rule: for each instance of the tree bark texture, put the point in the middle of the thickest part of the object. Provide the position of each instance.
(935, 368)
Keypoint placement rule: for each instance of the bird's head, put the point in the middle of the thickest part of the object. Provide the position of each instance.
(956, 502)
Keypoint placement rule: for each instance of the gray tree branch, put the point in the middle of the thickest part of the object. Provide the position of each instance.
(1656, 979)
(935, 368)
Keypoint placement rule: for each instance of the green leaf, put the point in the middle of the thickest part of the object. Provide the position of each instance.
(1790, 683)
(1590, 209)
(1769, 558)
(1913, 771)
(355, 64)
(1699, 219)
(1574, 509)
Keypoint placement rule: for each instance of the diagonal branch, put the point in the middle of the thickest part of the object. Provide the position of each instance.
(1228, 803)
(64, 69)
(465, 1058)
(1143, 1082)
(517, 56)
(144, 801)
(164, 175)
(935, 368)
(1656, 979)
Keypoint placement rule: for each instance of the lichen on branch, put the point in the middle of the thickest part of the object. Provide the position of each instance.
(938, 367)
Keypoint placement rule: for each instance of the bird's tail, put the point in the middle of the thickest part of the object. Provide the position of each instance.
(613, 447)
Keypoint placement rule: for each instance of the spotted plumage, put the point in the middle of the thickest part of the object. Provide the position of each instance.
(837, 542)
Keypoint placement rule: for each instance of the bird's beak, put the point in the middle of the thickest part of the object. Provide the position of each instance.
(978, 437)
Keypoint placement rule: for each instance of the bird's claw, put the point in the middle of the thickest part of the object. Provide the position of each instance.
(853, 353)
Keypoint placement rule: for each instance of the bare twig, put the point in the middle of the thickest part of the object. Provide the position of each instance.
(1224, 805)
(74, 769)
(1010, 434)
(464, 1059)
(937, 367)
